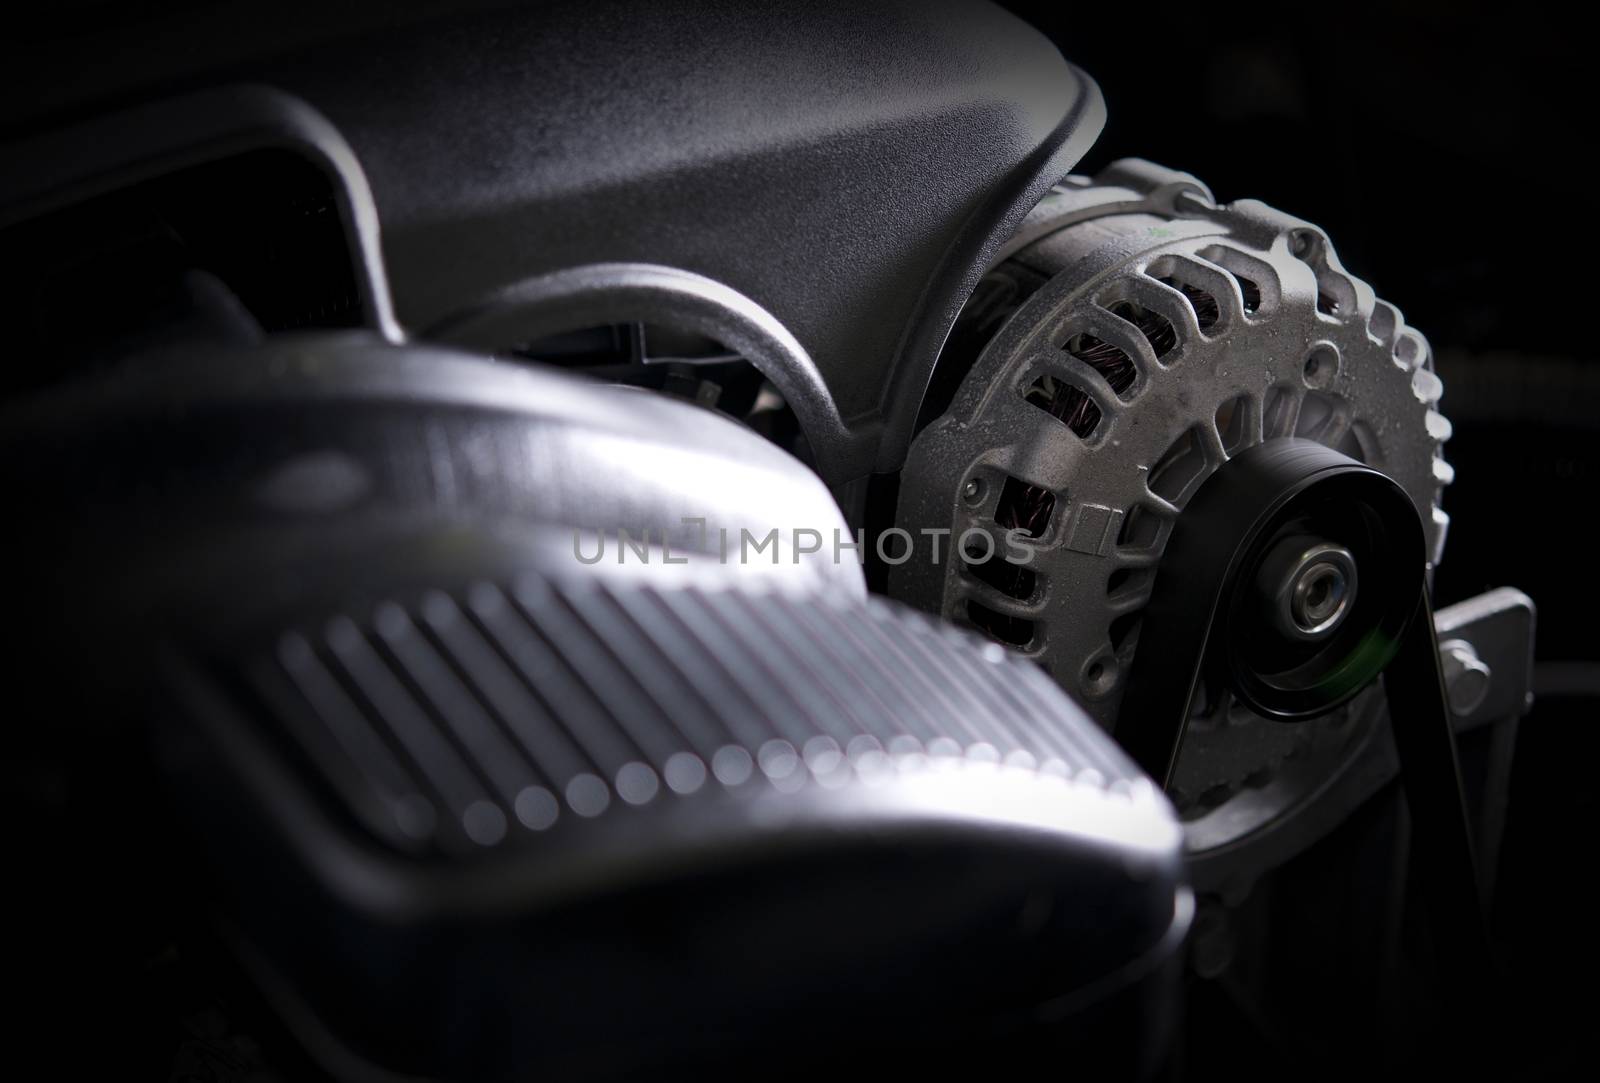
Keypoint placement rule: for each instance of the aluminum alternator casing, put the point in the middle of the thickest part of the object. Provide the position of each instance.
(1139, 335)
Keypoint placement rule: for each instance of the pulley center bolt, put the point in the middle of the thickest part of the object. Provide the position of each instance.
(1311, 586)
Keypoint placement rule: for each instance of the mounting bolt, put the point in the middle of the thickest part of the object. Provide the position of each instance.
(1466, 676)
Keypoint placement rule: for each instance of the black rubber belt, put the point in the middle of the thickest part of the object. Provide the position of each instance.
(1204, 630)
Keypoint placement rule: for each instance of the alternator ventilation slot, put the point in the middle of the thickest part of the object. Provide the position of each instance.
(1229, 260)
(1140, 530)
(1156, 328)
(1025, 507)
(1318, 412)
(1206, 309)
(1280, 413)
(1231, 423)
(1067, 403)
(1178, 469)
(1249, 292)
(1013, 630)
(1108, 360)
(1013, 580)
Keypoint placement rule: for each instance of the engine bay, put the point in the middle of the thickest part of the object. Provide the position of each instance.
(621, 541)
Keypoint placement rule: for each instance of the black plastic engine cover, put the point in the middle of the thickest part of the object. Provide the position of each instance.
(851, 168)
(464, 807)
(758, 824)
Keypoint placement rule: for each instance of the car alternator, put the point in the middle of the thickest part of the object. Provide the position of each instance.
(1133, 337)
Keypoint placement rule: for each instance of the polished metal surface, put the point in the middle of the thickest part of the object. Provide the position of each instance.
(1309, 587)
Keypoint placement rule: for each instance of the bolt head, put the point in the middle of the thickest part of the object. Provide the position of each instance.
(1310, 587)
(1466, 676)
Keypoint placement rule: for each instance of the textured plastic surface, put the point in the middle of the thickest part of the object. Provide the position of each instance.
(850, 168)
(660, 828)
(542, 704)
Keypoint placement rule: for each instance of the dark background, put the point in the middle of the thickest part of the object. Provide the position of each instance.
(1446, 150)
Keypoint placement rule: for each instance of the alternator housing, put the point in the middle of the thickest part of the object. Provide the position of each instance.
(1144, 336)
